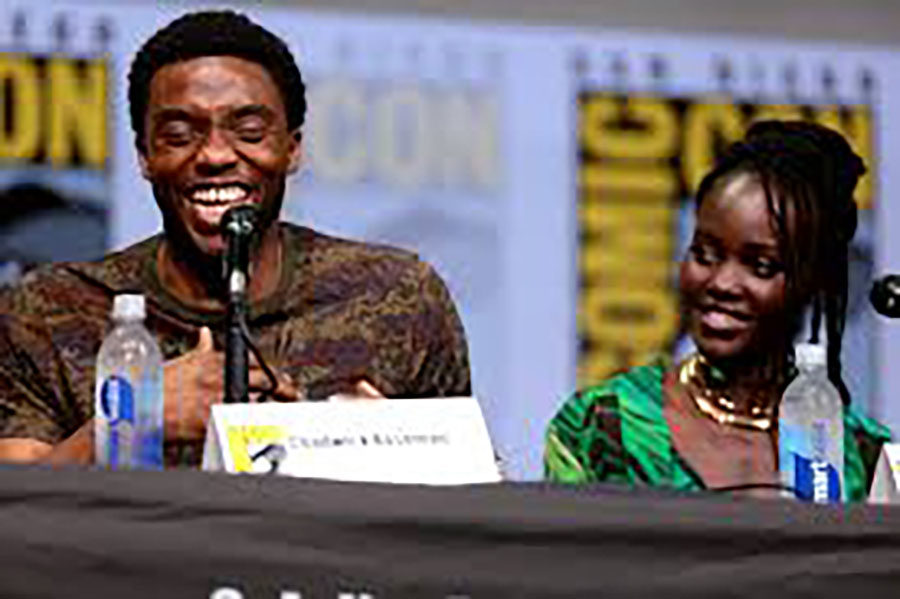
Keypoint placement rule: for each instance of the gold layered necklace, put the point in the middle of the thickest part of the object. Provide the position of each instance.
(695, 373)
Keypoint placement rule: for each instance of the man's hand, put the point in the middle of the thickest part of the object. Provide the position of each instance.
(194, 381)
(363, 389)
(191, 384)
(286, 390)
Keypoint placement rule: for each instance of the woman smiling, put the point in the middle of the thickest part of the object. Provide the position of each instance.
(773, 223)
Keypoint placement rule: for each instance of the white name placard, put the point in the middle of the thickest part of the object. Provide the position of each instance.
(886, 483)
(414, 441)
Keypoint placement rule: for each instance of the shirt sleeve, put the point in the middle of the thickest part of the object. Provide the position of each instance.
(443, 370)
(584, 441)
(564, 461)
(30, 382)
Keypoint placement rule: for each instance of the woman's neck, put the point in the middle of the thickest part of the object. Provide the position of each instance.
(747, 380)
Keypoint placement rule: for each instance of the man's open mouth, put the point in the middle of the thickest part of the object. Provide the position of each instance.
(212, 195)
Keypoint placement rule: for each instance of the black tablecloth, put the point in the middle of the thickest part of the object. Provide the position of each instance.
(74, 534)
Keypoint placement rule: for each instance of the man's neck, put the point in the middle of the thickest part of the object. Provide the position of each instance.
(198, 284)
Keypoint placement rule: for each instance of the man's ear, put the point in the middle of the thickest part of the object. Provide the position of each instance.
(142, 162)
(295, 151)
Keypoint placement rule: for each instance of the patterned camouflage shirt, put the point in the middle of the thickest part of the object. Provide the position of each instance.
(343, 310)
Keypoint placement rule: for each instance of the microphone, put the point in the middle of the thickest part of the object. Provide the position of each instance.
(239, 226)
(885, 296)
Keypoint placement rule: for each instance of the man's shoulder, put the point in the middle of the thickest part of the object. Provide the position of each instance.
(70, 286)
(119, 271)
(346, 266)
(324, 248)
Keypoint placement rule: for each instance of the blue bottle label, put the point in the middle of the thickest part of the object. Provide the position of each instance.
(117, 404)
(816, 480)
(117, 399)
(801, 459)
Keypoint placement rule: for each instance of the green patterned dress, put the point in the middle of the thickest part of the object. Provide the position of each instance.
(616, 432)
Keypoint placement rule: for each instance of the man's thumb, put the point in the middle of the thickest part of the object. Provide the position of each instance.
(205, 341)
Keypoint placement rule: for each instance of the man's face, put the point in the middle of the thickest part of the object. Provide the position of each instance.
(216, 136)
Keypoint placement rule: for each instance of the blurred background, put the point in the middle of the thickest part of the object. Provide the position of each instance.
(540, 154)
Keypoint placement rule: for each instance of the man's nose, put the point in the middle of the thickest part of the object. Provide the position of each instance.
(217, 153)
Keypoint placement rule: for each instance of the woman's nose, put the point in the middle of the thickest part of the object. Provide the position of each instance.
(725, 278)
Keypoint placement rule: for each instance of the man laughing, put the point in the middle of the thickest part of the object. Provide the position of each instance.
(217, 107)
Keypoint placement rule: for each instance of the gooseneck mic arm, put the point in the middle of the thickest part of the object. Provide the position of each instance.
(239, 227)
(885, 296)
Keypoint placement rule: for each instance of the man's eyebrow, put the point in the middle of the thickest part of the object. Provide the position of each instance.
(170, 113)
(253, 110)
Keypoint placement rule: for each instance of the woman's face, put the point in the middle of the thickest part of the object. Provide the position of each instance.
(732, 280)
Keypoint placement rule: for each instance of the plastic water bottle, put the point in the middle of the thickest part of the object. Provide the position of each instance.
(128, 396)
(811, 431)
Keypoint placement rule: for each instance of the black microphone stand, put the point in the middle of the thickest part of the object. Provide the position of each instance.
(238, 226)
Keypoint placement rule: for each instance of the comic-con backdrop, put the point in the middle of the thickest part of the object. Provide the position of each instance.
(546, 173)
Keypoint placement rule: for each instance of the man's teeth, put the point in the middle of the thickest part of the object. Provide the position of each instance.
(231, 193)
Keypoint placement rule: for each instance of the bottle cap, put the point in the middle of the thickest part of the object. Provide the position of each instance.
(129, 306)
(810, 354)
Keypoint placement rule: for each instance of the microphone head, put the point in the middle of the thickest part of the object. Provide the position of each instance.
(242, 220)
(885, 296)
(238, 226)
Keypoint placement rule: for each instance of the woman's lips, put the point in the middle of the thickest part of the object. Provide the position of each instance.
(720, 320)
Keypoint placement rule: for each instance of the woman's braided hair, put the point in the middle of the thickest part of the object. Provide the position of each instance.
(809, 173)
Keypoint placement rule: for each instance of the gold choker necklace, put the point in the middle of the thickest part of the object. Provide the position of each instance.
(693, 375)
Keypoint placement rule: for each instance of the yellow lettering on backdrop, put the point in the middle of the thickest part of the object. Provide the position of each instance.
(629, 191)
(629, 177)
(703, 124)
(77, 107)
(626, 308)
(636, 233)
(781, 112)
(655, 134)
(636, 321)
(20, 139)
(856, 125)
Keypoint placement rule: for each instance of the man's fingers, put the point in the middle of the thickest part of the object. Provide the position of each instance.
(205, 340)
(362, 390)
(366, 390)
(286, 389)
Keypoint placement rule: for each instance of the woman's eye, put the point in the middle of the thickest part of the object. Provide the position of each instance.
(766, 269)
(702, 255)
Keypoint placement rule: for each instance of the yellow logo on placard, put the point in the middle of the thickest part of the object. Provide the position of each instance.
(241, 438)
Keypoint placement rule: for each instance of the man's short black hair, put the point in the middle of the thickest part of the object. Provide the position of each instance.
(215, 33)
